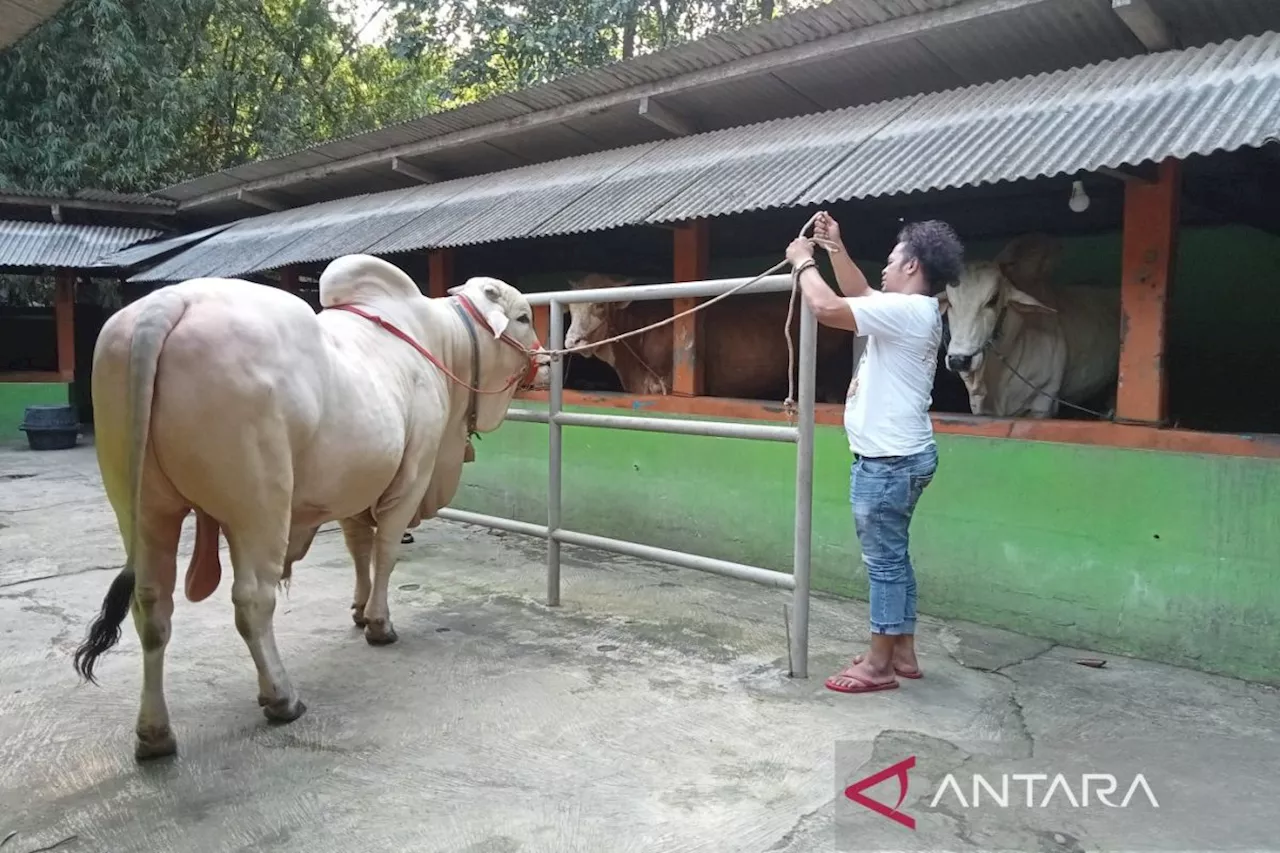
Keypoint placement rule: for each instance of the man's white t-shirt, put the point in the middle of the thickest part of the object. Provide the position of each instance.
(887, 413)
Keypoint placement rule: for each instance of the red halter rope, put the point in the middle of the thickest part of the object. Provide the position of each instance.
(529, 373)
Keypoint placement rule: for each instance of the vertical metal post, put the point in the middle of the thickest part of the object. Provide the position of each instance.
(804, 492)
(554, 456)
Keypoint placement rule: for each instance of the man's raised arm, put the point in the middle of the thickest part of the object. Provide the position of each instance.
(849, 279)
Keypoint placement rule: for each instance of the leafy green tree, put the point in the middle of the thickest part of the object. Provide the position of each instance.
(131, 95)
(95, 95)
(503, 46)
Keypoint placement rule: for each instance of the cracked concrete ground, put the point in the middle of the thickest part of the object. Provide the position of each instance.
(651, 712)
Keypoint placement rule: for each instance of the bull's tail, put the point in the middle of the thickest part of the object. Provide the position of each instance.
(105, 630)
(156, 319)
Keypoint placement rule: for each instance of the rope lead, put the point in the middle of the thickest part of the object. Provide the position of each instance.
(789, 404)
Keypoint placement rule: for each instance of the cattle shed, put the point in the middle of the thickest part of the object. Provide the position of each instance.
(1142, 135)
(55, 293)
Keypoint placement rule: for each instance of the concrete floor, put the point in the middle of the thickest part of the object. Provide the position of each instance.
(652, 712)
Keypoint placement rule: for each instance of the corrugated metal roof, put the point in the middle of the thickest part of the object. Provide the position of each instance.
(143, 252)
(1201, 22)
(1112, 114)
(483, 212)
(50, 244)
(987, 40)
(1125, 112)
(316, 232)
(401, 220)
(805, 25)
(106, 196)
(726, 171)
(19, 17)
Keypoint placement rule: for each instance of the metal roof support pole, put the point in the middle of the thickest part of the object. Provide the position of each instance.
(1147, 267)
(554, 457)
(64, 313)
(802, 549)
(692, 258)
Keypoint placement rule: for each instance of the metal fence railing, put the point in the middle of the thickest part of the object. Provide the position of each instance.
(801, 434)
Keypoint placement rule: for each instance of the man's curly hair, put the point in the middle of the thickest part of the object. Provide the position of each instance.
(938, 249)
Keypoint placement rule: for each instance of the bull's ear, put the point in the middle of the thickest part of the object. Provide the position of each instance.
(1020, 300)
(491, 307)
(944, 302)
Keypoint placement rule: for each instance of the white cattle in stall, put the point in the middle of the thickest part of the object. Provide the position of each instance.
(1062, 341)
(238, 402)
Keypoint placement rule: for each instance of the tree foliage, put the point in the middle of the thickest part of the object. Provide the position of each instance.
(503, 46)
(130, 95)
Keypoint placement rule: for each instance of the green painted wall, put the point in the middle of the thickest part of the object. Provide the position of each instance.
(1162, 556)
(14, 399)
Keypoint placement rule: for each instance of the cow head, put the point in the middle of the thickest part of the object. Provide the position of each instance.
(987, 303)
(504, 352)
(590, 321)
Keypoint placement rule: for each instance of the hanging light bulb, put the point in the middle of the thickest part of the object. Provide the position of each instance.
(1079, 201)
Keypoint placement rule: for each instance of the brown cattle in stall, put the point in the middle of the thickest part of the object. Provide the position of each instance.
(744, 346)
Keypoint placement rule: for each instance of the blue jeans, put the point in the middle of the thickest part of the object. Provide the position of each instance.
(884, 492)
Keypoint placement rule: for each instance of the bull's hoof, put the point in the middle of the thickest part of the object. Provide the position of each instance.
(282, 710)
(155, 742)
(380, 633)
(357, 616)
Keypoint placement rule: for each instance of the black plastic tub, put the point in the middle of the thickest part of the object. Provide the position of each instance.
(51, 427)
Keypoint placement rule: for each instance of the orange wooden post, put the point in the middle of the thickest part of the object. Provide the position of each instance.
(692, 259)
(1150, 248)
(64, 314)
(289, 279)
(439, 272)
(542, 323)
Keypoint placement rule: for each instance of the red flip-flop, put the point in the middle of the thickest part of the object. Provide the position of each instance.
(864, 685)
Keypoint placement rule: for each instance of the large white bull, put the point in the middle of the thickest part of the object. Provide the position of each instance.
(1063, 342)
(238, 402)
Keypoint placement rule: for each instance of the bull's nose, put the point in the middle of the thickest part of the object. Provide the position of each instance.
(959, 363)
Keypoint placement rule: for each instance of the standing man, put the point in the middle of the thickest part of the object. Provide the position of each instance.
(886, 419)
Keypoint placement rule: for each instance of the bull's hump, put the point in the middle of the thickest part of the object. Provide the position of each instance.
(353, 279)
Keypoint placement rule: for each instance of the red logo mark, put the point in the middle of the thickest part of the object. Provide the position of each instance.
(854, 792)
